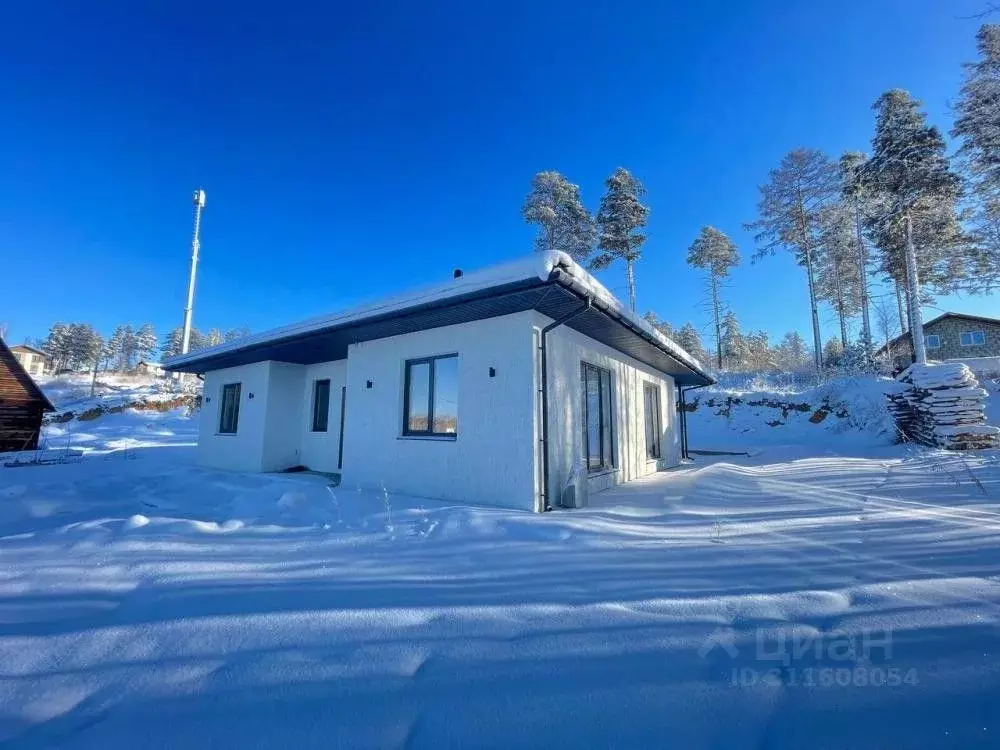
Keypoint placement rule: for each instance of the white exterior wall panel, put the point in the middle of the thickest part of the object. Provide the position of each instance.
(244, 450)
(491, 461)
(320, 449)
(567, 349)
(283, 420)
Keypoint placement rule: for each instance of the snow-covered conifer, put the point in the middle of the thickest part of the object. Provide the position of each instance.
(619, 218)
(715, 253)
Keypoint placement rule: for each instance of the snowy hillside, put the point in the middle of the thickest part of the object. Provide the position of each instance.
(124, 412)
(847, 416)
(831, 601)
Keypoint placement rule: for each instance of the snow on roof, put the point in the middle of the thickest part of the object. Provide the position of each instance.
(537, 266)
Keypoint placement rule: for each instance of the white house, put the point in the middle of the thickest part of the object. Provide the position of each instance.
(149, 369)
(33, 360)
(489, 389)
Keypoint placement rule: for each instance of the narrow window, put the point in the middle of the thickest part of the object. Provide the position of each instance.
(321, 405)
(229, 411)
(933, 341)
(598, 432)
(430, 396)
(651, 401)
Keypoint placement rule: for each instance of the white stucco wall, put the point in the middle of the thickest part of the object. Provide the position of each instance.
(274, 427)
(319, 449)
(244, 450)
(491, 461)
(283, 417)
(566, 350)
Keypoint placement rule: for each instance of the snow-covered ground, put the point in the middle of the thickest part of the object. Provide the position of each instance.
(848, 599)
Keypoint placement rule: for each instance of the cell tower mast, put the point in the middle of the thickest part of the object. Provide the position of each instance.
(199, 205)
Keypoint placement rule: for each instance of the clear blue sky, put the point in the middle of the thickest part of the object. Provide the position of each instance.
(356, 151)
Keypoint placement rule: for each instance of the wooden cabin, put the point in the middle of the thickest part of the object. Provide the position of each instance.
(22, 405)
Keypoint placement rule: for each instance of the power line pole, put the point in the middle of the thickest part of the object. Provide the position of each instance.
(199, 204)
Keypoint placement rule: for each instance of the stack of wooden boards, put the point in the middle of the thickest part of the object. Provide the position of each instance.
(942, 405)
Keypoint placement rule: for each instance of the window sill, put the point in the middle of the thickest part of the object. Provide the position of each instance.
(226, 434)
(433, 438)
(595, 473)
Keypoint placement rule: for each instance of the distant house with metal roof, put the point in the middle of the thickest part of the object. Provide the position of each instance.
(949, 336)
(490, 389)
(34, 361)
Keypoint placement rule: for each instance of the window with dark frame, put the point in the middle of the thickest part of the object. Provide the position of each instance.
(229, 409)
(651, 401)
(430, 396)
(321, 406)
(598, 431)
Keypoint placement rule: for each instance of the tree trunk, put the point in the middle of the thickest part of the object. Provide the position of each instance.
(630, 275)
(866, 322)
(817, 345)
(718, 324)
(841, 314)
(913, 295)
(899, 304)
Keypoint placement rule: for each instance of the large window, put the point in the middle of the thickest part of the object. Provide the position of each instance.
(973, 338)
(321, 405)
(932, 341)
(229, 410)
(598, 434)
(430, 396)
(651, 402)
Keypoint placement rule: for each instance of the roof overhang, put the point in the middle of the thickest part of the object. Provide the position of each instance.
(555, 297)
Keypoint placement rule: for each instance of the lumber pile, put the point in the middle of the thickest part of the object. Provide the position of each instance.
(942, 405)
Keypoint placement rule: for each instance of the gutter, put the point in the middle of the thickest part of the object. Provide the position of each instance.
(567, 281)
(544, 388)
(685, 453)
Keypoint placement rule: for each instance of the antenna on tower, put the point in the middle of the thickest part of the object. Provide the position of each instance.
(199, 204)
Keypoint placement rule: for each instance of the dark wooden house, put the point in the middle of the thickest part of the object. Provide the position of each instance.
(22, 405)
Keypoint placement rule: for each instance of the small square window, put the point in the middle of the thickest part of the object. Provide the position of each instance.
(321, 406)
(933, 341)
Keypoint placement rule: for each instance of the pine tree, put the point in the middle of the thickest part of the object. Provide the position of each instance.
(735, 351)
(760, 356)
(688, 338)
(978, 125)
(790, 203)
(838, 277)
(910, 174)
(117, 345)
(619, 218)
(83, 345)
(563, 223)
(833, 352)
(792, 354)
(57, 345)
(213, 337)
(172, 344)
(853, 193)
(660, 325)
(235, 334)
(145, 342)
(714, 252)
